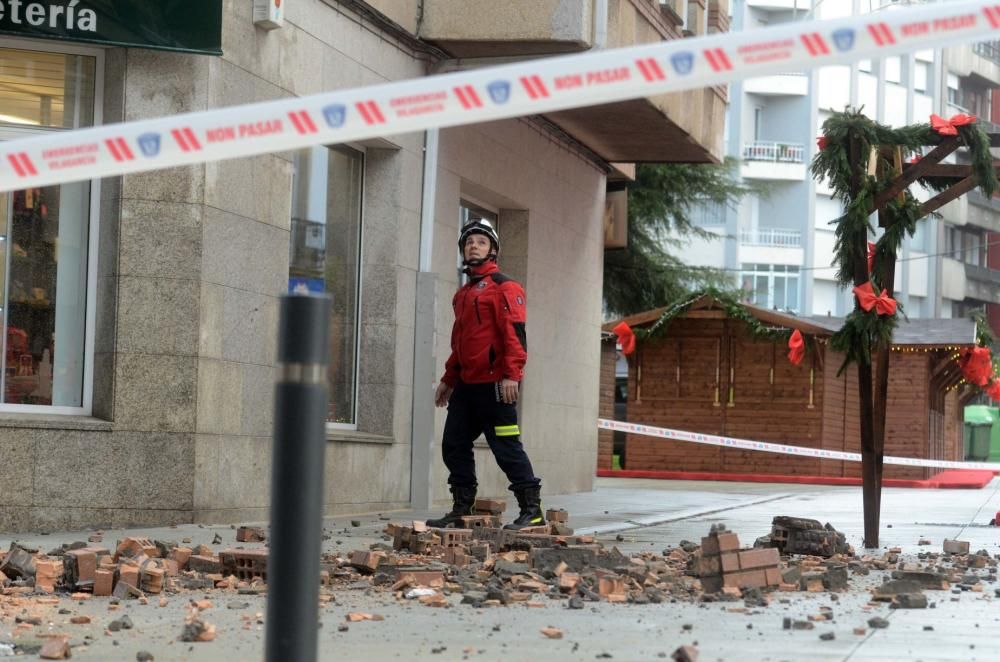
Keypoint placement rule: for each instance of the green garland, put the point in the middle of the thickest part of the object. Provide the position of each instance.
(862, 330)
(733, 309)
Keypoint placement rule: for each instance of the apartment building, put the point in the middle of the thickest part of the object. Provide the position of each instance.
(779, 247)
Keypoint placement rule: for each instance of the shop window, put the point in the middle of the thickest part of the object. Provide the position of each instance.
(325, 256)
(44, 238)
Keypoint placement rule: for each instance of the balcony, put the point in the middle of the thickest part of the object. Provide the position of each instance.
(770, 246)
(774, 160)
(681, 127)
(786, 84)
(982, 283)
(983, 212)
(486, 28)
(980, 61)
(988, 49)
(771, 237)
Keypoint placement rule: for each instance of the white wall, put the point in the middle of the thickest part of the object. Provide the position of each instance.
(511, 164)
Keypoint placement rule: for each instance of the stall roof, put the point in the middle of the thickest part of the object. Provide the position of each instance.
(915, 332)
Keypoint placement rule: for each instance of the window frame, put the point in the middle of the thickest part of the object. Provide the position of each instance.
(93, 228)
(359, 293)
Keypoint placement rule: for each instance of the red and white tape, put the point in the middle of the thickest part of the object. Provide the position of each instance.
(527, 88)
(768, 447)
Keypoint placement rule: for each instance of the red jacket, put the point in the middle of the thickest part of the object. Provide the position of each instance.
(488, 341)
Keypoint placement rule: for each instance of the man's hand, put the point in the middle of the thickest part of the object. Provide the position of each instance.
(442, 395)
(508, 391)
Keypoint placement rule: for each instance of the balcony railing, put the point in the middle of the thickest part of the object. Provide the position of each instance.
(771, 237)
(988, 49)
(775, 152)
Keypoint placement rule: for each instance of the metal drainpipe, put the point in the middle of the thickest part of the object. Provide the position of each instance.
(422, 446)
(600, 24)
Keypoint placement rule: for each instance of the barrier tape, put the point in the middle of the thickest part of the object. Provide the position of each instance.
(768, 447)
(526, 88)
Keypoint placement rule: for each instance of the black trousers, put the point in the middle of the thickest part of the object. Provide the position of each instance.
(476, 409)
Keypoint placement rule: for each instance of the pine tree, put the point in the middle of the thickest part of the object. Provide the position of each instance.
(651, 271)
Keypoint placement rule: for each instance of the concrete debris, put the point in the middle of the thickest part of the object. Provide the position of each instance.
(685, 654)
(799, 535)
(956, 547)
(55, 648)
(878, 623)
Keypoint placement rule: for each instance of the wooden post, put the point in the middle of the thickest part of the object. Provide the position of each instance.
(869, 462)
(887, 269)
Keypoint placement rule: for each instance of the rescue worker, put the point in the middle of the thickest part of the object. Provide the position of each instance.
(481, 381)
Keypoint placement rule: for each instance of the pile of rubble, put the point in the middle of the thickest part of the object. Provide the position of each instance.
(489, 566)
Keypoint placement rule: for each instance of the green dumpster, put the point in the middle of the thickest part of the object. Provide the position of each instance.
(995, 437)
(978, 432)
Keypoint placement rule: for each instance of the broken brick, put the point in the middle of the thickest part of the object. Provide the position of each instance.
(48, 573)
(250, 534)
(245, 564)
(202, 563)
(556, 515)
(55, 648)
(956, 547)
(103, 582)
(366, 561)
(719, 542)
(455, 537)
(752, 559)
(133, 547)
(490, 506)
(181, 555)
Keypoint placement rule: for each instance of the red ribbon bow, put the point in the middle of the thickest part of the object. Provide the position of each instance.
(883, 303)
(977, 365)
(797, 347)
(822, 142)
(871, 256)
(626, 337)
(949, 127)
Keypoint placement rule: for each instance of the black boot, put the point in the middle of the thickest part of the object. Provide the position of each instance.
(529, 499)
(463, 504)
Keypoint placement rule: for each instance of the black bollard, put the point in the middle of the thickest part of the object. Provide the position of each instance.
(300, 409)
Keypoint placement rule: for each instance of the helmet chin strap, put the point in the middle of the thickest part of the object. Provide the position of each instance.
(478, 261)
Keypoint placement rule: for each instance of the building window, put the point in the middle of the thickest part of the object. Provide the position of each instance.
(45, 237)
(920, 76)
(892, 69)
(467, 212)
(770, 286)
(325, 256)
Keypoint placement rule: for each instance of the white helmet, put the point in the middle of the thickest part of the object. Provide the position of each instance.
(479, 226)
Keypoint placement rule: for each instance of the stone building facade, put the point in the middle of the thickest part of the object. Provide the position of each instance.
(178, 272)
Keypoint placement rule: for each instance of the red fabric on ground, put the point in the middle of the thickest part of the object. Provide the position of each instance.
(952, 479)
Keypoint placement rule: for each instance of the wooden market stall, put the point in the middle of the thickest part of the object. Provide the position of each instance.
(706, 372)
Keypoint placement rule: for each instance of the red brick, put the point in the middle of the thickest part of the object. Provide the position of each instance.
(708, 566)
(490, 506)
(553, 515)
(181, 555)
(455, 537)
(200, 563)
(477, 521)
(132, 547)
(746, 579)
(104, 582)
(245, 564)
(773, 576)
(129, 574)
(81, 565)
(250, 534)
(723, 542)
(48, 573)
(752, 559)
